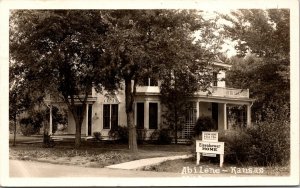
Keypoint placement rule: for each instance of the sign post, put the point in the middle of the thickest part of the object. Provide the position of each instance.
(209, 146)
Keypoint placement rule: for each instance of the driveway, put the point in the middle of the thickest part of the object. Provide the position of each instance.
(19, 168)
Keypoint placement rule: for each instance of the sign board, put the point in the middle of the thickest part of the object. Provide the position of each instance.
(209, 136)
(210, 147)
(209, 154)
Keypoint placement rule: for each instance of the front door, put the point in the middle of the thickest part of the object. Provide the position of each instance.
(214, 110)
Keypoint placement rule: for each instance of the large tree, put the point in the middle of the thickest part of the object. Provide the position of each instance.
(152, 43)
(263, 48)
(59, 52)
(188, 73)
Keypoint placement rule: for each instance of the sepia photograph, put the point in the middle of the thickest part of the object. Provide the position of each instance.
(153, 94)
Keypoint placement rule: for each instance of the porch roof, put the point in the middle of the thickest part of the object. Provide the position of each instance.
(90, 100)
(227, 100)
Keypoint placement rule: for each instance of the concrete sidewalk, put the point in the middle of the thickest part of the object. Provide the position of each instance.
(137, 164)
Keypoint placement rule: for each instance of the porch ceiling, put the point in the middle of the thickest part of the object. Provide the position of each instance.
(226, 100)
(147, 94)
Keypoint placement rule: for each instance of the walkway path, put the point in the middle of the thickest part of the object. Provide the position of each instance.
(137, 164)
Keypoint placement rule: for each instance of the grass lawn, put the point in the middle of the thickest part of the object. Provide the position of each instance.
(104, 153)
(90, 154)
(189, 167)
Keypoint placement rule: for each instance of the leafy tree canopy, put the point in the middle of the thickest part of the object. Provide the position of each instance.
(59, 52)
(263, 62)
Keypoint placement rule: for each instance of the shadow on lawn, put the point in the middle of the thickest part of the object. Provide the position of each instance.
(91, 153)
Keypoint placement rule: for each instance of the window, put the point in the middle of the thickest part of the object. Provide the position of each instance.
(90, 120)
(153, 82)
(215, 79)
(149, 82)
(114, 115)
(145, 81)
(153, 115)
(140, 115)
(106, 116)
(110, 116)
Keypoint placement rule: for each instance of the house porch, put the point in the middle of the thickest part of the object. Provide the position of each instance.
(215, 108)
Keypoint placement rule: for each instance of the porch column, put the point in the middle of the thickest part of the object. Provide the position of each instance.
(158, 115)
(197, 110)
(248, 115)
(87, 120)
(135, 113)
(50, 121)
(146, 115)
(225, 116)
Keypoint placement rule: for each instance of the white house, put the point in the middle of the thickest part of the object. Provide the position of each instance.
(104, 112)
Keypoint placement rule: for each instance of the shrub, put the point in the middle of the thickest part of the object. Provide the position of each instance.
(28, 130)
(271, 143)
(154, 136)
(161, 136)
(237, 146)
(267, 143)
(141, 135)
(29, 126)
(98, 136)
(203, 123)
(164, 136)
(59, 116)
(119, 133)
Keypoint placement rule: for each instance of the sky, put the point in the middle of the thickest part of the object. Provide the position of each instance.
(228, 46)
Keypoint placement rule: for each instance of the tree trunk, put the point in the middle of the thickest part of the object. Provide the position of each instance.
(176, 120)
(132, 142)
(77, 132)
(15, 130)
(129, 97)
(175, 108)
(78, 117)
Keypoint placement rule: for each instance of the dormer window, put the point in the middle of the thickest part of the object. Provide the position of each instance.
(149, 82)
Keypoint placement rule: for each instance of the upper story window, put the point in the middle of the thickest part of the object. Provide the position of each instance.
(215, 79)
(149, 82)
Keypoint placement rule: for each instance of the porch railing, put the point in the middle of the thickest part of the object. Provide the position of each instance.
(148, 89)
(213, 91)
(226, 92)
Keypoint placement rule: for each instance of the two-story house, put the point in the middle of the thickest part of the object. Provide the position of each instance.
(105, 111)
